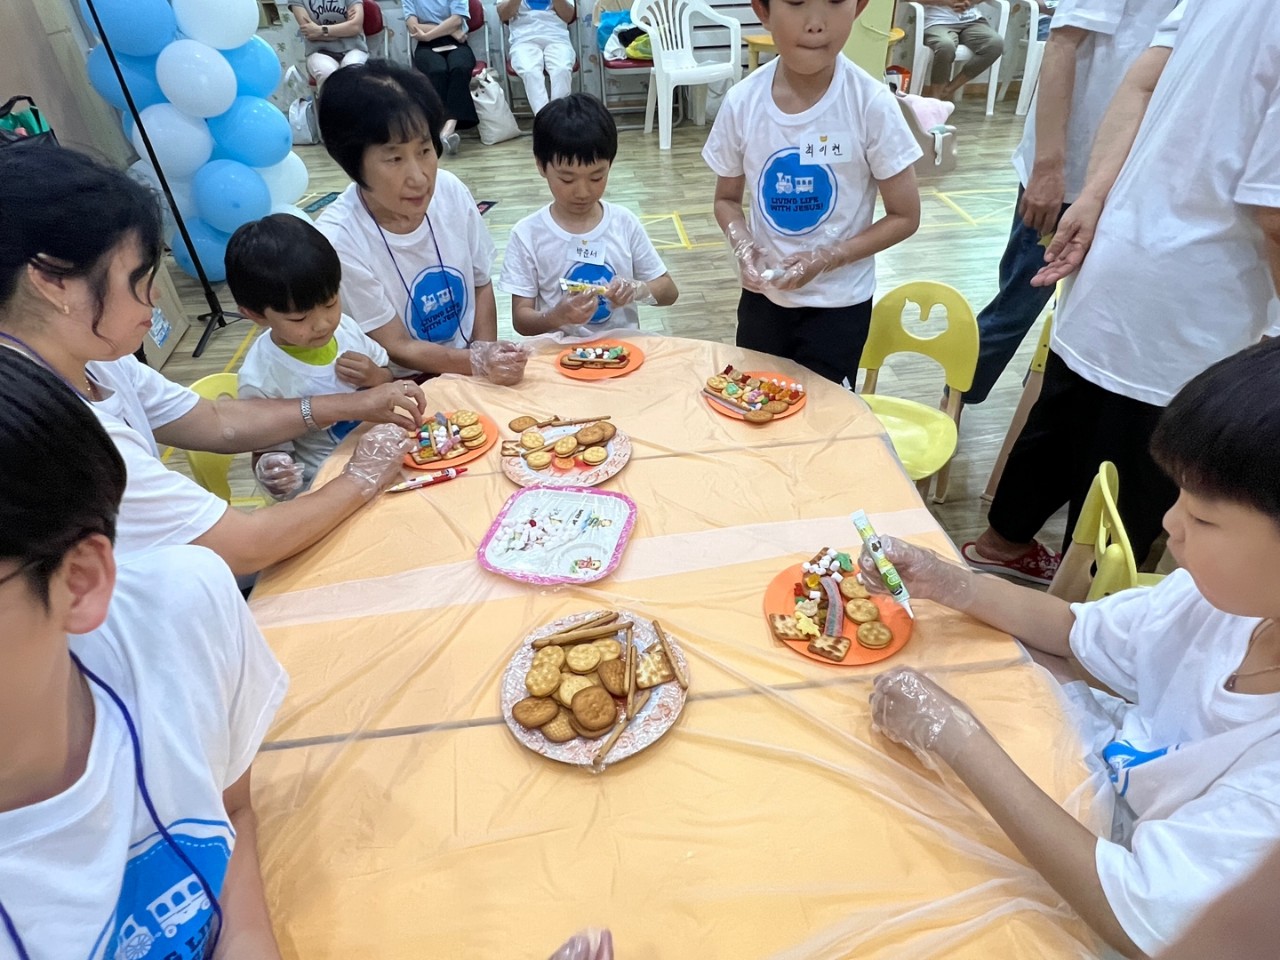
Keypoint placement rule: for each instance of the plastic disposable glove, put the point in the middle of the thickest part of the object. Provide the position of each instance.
(925, 574)
(588, 945)
(574, 309)
(620, 292)
(376, 463)
(910, 709)
(279, 474)
(499, 362)
(753, 259)
(799, 268)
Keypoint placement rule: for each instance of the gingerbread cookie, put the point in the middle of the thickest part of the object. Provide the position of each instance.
(833, 648)
(542, 679)
(594, 708)
(861, 611)
(533, 712)
(851, 589)
(582, 658)
(874, 635)
(559, 730)
(613, 677)
(521, 424)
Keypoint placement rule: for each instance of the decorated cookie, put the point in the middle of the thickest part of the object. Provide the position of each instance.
(716, 383)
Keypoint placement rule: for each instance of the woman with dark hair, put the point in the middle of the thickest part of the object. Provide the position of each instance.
(129, 725)
(416, 258)
(77, 253)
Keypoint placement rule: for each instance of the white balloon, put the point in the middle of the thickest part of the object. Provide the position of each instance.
(196, 78)
(182, 143)
(290, 209)
(287, 180)
(223, 24)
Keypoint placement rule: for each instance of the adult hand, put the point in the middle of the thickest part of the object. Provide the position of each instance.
(925, 574)
(588, 945)
(460, 35)
(800, 268)
(753, 259)
(401, 403)
(1071, 242)
(574, 309)
(960, 6)
(910, 709)
(376, 463)
(620, 292)
(360, 371)
(1042, 199)
(500, 362)
(279, 474)
(311, 31)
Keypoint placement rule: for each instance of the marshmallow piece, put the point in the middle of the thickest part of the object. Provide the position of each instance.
(837, 576)
(815, 594)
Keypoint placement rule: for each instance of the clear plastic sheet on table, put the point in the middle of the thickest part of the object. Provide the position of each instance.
(400, 818)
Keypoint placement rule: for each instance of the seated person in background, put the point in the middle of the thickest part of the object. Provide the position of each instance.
(415, 254)
(441, 52)
(1044, 18)
(285, 276)
(332, 33)
(1193, 749)
(578, 236)
(540, 44)
(947, 24)
(133, 701)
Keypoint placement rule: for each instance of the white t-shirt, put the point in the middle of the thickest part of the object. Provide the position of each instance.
(540, 252)
(85, 874)
(1118, 31)
(537, 20)
(943, 15)
(1198, 766)
(270, 372)
(429, 283)
(161, 507)
(1177, 276)
(802, 198)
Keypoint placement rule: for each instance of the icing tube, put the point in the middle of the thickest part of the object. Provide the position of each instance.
(892, 582)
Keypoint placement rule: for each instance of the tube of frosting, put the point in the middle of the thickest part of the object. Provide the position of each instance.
(892, 582)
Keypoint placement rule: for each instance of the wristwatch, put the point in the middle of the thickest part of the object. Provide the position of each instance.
(324, 30)
(307, 418)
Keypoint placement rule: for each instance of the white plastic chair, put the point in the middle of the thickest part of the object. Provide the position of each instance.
(997, 14)
(1034, 57)
(668, 24)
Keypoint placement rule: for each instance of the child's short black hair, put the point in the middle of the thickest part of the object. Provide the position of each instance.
(283, 263)
(574, 129)
(1219, 438)
(369, 104)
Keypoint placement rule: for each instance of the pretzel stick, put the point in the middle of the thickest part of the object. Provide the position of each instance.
(725, 401)
(597, 620)
(618, 730)
(675, 665)
(581, 636)
(632, 656)
(557, 422)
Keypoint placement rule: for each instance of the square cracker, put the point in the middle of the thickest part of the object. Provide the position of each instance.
(833, 648)
(784, 627)
(652, 669)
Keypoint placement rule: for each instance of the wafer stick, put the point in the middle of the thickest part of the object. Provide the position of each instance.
(557, 422)
(597, 620)
(618, 730)
(671, 656)
(581, 636)
(632, 656)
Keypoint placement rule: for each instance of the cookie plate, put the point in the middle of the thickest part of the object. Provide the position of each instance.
(780, 598)
(654, 719)
(724, 411)
(549, 535)
(519, 472)
(601, 373)
(490, 438)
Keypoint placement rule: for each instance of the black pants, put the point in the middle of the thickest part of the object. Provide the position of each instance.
(827, 340)
(450, 74)
(1073, 427)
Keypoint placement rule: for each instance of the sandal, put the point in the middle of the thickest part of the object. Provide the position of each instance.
(1037, 565)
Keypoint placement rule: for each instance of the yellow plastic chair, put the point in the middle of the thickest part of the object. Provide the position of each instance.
(1099, 540)
(1030, 393)
(210, 470)
(924, 437)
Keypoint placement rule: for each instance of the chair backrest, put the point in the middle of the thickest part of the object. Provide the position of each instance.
(670, 33)
(210, 469)
(1101, 528)
(956, 348)
(372, 18)
(475, 15)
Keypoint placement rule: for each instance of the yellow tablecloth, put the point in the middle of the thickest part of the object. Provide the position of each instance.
(401, 819)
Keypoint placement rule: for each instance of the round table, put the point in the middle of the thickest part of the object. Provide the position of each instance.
(401, 819)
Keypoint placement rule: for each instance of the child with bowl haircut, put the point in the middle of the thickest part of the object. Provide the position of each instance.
(579, 236)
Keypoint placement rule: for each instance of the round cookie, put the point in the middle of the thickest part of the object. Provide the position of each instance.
(559, 730)
(542, 679)
(521, 424)
(553, 655)
(874, 636)
(594, 708)
(586, 733)
(590, 436)
(532, 440)
(776, 406)
(757, 416)
(609, 649)
(538, 460)
(471, 431)
(717, 382)
(610, 431)
(613, 677)
(475, 444)
(582, 658)
(563, 463)
(570, 683)
(852, 589)
(565, 446)
(533, 712)
(594, 456)
(861, 611)
(465, 418)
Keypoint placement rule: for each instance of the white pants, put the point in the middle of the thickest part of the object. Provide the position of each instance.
(320, 65)
(531, 58)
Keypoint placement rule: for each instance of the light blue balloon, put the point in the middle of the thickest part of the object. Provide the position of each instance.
(256, 67)
(211, 248)
(253, 131)
(229, 194)
(139, 74)
(137, 28)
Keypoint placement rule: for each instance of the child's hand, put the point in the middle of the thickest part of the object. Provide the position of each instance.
(279, 474)
(620, 292)
(574, 309)
(800, 268)
(360, 371)
(753, 259)
(910, 709)
(925, 574)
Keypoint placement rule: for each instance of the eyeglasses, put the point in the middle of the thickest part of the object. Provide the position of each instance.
(14, 574)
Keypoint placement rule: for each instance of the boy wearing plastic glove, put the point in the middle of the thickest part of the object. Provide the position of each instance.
(815, 139)
(1193, 749)
(579, 237)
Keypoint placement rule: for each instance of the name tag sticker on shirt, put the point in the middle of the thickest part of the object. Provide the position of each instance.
(827, 148)
(588, 251)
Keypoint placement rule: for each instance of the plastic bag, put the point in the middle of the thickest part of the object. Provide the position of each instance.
(608, 24)
(641, 48)
(497, 122)
(302, 110)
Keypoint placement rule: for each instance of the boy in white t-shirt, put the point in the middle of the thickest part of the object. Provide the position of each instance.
(539, 31)
(578, 236)
(815, 138)
(285, 277)
(133, 699)
(1193, 749)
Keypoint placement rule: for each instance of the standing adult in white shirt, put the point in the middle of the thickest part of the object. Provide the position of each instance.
(947, 25)
(1180, 216)
(78, 249)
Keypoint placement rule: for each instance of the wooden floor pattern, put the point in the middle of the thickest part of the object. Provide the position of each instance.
(965, 222)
